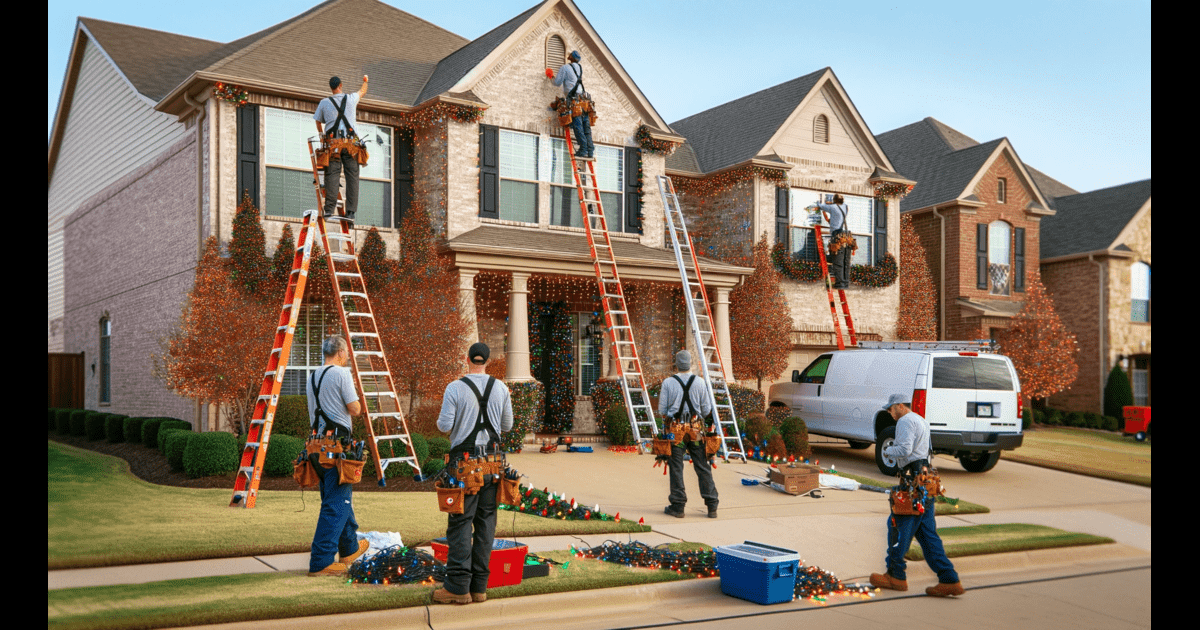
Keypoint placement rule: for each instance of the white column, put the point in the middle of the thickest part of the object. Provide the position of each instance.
(721, 314)
(466, 305)
(517, 357)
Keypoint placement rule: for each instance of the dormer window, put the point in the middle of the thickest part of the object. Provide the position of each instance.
(821, 129)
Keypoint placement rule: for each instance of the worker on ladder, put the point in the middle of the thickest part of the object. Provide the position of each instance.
(841, 242)
(335, 123)
(684, 398)
(578, 102)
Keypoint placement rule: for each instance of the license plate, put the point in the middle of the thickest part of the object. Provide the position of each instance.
(983, 411)
(978, 437)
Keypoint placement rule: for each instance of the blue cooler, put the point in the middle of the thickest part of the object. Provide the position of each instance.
(759, 573)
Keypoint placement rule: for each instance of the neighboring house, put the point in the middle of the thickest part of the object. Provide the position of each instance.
(1095, 263)
(145, 163)
(976, 209)
(750, 167)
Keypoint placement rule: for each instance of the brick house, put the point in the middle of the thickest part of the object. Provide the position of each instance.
(977, 209)
(1095, 264)
(750, 166)
(128, 219)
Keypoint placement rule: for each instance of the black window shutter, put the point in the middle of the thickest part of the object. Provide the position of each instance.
(489, 171)
(981, 256)
(1019, 260)
(403, 174)
(247, 153)
(633, 210)
(881, 229)
(781, 217)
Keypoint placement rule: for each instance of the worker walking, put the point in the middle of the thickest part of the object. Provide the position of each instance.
(686, 401)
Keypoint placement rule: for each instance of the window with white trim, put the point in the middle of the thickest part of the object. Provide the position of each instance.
(105, 361)
(587, 358)
(1001, 190)
(860, 220)
(610, 179)
(1139, 292)
(999, 258)
(289, 185)
(312, 324)
(518, 200)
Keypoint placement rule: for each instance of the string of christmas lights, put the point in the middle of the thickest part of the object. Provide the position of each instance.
(892, 189)
(550, 505)
(527, 398)
(231, 93)
(651, 145)
(721, 182)
(875, 276)
(817, 585)
(638, 554)
(397, 565)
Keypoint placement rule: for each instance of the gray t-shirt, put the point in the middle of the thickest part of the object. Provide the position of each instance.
(912, 440)
(837, 215)
(671, 397)
(337, 391)
(460, 409)
(568, 76)
(327, 113)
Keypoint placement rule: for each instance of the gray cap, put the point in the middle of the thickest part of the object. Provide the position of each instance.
(896, 399)
(683, 360)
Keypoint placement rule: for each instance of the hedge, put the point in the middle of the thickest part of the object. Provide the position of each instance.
(616, 426)
(150, 431)
(281, 455)
(78, 421)
(51, 415)
(795, 436)
(94, 425)
(133, 429)
(176, 443)
(212, 453)
(291, 417)
(438, 447)
(62, 421)
(170, 425)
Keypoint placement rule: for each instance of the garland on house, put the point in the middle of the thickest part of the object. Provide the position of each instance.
(553, 350)
(651, 145)
(641, 180)
(892, 189)
(231, 93)
(527, 401)
(431, 115)
(875, 276)
(721, 182)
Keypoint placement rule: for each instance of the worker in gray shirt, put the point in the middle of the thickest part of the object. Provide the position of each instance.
(683, 398)
(335, 118)
(570, 77)
(476, 409)
(841, 241)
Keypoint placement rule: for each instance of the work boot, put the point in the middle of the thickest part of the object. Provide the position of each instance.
(673, 512)
(442, 596)
(363, 545)
(337, 568)
(885, 580)
(479, 598)
(712, 512)
(944, 589)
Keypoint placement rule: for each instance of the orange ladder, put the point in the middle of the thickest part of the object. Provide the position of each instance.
(837, 317)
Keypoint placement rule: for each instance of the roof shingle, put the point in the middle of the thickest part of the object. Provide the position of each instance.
(1091, 221)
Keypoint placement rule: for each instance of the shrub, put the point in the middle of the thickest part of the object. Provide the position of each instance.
(420, 446)
(528, 402)
(1093, 420)
(1113, 424)
(1039, 416)
(212, 453)
(62, 421)
(438, 447)
(758, 428)
(1076, 419)
(150, 431)
(168, 425)
(114, 428)
(776, 414)
(78, 421)
(746, 400)
(1054, 417)
(281, 454)
(616, 426)
(1118, 393)
(291, 417)
(94, 425)
(795, 437)
(175, 444)
(1026, 419)
(133, 429)
(432, 467)
(52, 412)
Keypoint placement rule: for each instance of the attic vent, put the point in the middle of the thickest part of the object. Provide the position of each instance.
(821, 129)
(556, 52)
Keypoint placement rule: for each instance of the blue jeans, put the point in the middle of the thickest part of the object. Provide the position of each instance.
(583, 135)
(901, 531)
(337, 531)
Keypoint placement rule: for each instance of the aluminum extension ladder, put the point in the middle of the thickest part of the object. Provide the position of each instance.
(612, 296)
(833, 309)
(702, 324)
(373, 380)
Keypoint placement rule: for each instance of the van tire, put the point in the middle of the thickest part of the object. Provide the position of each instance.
(885, 439)
(979, 462)
(858, 445)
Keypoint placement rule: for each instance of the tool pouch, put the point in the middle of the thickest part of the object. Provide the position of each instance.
(325, 449)
(322, 155)
(362, 156)
(902, 502)
(350, 470)
(305, 475)
(450, 500)
(662, 447)
(509, 492)
(712, 444)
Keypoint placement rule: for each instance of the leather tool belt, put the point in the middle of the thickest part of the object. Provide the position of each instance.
(468, 475)
(919, 483)
(334, 146)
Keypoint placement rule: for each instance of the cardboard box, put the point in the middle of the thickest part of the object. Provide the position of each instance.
(798, 479)
(759, 573)
(506, 566)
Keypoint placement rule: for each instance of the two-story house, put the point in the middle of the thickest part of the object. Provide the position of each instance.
(147, 160)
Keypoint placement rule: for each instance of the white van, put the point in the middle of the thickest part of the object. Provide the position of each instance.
(970, 397)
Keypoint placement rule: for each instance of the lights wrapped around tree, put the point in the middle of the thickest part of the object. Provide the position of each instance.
(1042, 350)
(550, 505)
(551, 353)
(651, 145)
(721, 182)
(231, 93)
(875, 276)
(527, 403)
(917, 318)
(397, 565)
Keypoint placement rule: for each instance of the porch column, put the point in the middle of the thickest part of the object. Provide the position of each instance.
(466, 304)
(721, 314)
(517, 357)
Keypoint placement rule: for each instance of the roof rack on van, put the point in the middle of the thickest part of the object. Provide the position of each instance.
(978, 345)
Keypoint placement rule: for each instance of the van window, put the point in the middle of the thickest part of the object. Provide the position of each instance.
(815, 372)
(971, 373)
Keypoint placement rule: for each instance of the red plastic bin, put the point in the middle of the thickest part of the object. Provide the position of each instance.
(506, 566)
(1137, 419)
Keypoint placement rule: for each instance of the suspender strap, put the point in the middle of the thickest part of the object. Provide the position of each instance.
(687, 400)
(578, 80)
(482, 422)
(348, 131)
(321, 420)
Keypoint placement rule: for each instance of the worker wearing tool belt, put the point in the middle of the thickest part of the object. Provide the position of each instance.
(683, 398)
(335, 118)
(332, 402)
(911, 448)
(570, 77)
(841, 241)
(476, 409)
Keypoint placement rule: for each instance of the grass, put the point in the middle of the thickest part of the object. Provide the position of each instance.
(974, 540)
(1081, 451)
(242, 598)
(944, 506)
(98, 514)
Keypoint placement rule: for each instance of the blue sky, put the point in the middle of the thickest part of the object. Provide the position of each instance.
(1068, 82)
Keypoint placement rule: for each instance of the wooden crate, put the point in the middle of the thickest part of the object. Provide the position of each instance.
(798, 479)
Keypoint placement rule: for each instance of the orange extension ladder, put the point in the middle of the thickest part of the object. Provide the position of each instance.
(372, 378)
(833, 309)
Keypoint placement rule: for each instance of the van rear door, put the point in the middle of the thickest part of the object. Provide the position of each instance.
(950, 402)
(995, 397)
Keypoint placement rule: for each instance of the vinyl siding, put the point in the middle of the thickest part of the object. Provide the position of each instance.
(797, 140)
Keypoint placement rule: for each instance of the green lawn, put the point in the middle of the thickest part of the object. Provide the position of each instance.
(98, 514)
(1086, 452)
(974, 540)
(944, 506)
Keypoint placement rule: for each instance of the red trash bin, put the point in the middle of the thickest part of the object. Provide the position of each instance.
(1137, 421)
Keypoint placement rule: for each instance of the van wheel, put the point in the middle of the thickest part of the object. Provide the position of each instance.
(857, 445)
(979, 462)
(887, 465)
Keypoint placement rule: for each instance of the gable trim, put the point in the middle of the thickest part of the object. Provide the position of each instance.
(1006, 147)
(1125, 231)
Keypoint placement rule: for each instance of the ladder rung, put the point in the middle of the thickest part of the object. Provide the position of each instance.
(339, 257)
(354, 294)
(402, 437)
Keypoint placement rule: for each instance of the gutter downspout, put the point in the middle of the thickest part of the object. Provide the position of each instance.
(201, 115)
(1101, 317)
(941, 277)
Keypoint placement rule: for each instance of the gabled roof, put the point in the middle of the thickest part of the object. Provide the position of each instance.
(737, 131)
(1092, 221)
(153, 61)
(454, 67)
(944, 161)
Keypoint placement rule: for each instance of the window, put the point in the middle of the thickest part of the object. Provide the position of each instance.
(971, 373)
(518, 176)
(610, 178)
(999, 257)
(588, 367)
(1139, 292)
(1140, 377)
(815, 372)
(306, 356)
(289, 169)
(105, 361)
(1001, 190)
(556, 52)
(821, 129)
(860, 220)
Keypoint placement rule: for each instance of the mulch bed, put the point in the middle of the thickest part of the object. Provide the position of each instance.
(151, 465)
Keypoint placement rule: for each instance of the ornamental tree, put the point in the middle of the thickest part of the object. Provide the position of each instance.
(250, 269)
(918, 297)
(1041, 348)
(760, 322)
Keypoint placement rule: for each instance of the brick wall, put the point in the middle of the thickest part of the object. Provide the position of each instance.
(1074, 286)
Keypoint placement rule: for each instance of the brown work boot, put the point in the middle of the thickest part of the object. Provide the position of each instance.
(945, 590)
(337, 569)
(363, 545)
(479, 598)
(885, 580)
(442, 596)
